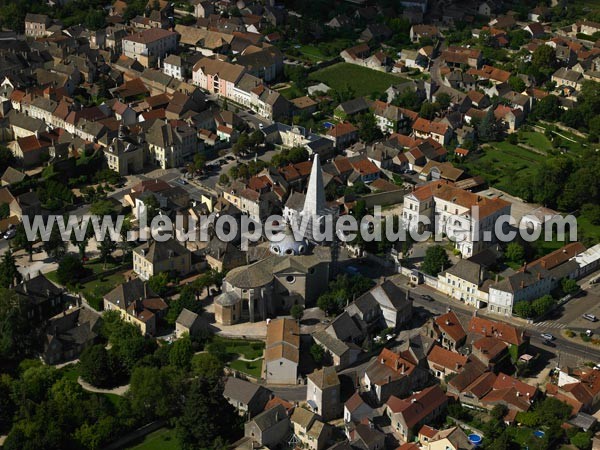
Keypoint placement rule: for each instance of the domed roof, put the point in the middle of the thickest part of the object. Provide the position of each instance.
(288, 245)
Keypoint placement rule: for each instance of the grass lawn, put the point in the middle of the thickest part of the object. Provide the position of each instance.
(113, 398)
(536, 140)
(361, 80)
(291, 92)
(500, 162)
(95, 290)
(253, 368)
(247, 349)
(70, 372)
(521, 435)
(162, 439)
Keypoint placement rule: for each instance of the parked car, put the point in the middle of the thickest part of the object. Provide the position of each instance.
(427, 297)
(548, 336)
(181, 181)
(10, 233)
(590, 317)
(548, 343)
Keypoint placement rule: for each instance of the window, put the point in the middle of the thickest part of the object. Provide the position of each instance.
(290, 279)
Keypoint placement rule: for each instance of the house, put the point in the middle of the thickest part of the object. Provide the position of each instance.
(394, 303)
(11, 176)
(170, 143)
(137, 304)
(264, 62)
(173, 67)
(438, 131)
(508, 334)
(453, 438)
(249, 399)
(407, 415)
(154, 257)
(41, 298)
(535, 29)
(436, 170)
(567, 77)
(202, 8)
(125, 154)
(453, 204)
(323, 393)
(342, 134)
(342, 354)
(464, 282)
(455, 56)
(268, 428)
(418, 32)
(282, 352)
(356, 409)
(448, 330)
(69, 333)
(391, 374)
(188, 322)
(364, 435)
(32, 150)
(443, 362)
(216, 76)
(534, 280)
(376, 32)
(309, 431)
(349, 108)
(150, 45)
(36, 25)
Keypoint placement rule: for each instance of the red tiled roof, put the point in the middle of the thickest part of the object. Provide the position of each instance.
(450, 324)
(446, 358)
(500, 330)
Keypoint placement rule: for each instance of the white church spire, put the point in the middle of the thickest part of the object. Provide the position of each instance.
(314, 202)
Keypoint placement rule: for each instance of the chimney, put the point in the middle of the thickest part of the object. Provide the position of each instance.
(539, 276)
(382, 361)
(397, 365)
(413, 400)
(522, 284)
(145, 290)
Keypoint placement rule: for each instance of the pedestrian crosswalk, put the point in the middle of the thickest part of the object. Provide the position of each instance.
(550, 324)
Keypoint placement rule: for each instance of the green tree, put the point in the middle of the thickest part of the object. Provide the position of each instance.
(97, 367)
(543, 305)
(428, 110)
(205, 418)
(187, 299)
(487, 130)
(155, 393)
(6, 158)
(223, 179)
(70, 269)
(524, 309)
(517, 84)
(107, 247)
(22, 241)
(102, 208)
(207, 366)
(515, 252)
(181, 353)
(55, 246)
(297, 311)
(436, 260)
(582, 441)
(317, 352)
(159, 283)
(569, 286)
(9, 274)
(17, 337)
(443, 100)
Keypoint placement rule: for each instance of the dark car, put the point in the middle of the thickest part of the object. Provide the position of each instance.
(548, 343)
(429, 298)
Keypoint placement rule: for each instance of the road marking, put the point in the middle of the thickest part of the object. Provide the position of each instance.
(550, 324)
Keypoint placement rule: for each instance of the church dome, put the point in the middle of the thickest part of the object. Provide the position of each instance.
(288, 245)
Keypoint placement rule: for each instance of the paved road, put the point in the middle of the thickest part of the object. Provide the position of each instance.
(437, 77)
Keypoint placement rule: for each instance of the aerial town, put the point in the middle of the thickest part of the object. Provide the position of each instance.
(434, 118)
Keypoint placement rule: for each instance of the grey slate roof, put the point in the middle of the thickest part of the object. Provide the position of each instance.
(270, 417)
(186, 318)
(466, 270)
